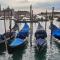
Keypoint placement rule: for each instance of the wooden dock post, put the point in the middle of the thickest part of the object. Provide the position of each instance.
(51, 22)
(46, 20)
(10, 22)
(31, 24)
(19, 24)
(5, 32)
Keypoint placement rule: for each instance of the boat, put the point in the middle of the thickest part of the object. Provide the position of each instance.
(41, 45)
(40, 32)
(40, 42)
(6, 37)
(58, 19)
(9, 34)
(24, 32)
(19, 42)
(55, 33)
(15, 27)
(15, 44)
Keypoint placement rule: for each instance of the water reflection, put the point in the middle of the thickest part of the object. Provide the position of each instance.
(2, 49)
(58, 46)
(40, 56)
(17, 55)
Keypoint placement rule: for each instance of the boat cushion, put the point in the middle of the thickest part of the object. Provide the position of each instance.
(40, 41)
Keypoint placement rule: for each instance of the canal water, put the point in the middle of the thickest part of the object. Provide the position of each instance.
(28, 53)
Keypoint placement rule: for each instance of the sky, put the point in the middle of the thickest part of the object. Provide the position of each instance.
(24, 4)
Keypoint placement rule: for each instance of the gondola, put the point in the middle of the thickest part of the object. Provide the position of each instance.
(55, 33)
(41, 45)
(19, 42)
(15, 44)
(24, 32)
(9, 34)
(40, 32)
(58, 19)
(6, 37)
(40, 42)
(15, 27)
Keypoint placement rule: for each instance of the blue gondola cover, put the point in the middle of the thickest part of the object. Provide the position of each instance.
(1, 37)
(40, 41)
(24, 32)
(55, 31)
(16, 42)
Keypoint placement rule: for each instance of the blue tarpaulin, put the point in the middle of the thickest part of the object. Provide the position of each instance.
(16, 42)
(24, 32)
(25, 28)
(40, 41)
(55, 31)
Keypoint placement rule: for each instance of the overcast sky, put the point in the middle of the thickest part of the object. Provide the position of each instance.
(24, 4)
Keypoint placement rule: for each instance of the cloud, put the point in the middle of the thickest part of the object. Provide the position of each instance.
(43, 1)
(15, 3)
(47, 5)
(24, 4)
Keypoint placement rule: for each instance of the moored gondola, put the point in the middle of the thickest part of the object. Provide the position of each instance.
(15, 27)
(40, 32)
(15, 44)
(19, 42)
(55, 33)
(24, 32)
(58, 19)
(6, 37)
(41, 43)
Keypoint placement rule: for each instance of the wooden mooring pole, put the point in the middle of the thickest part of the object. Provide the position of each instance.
(10, 22)
(46, 20)
(51, 22)
(31, 25)
(19, 24)
(5, 32)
